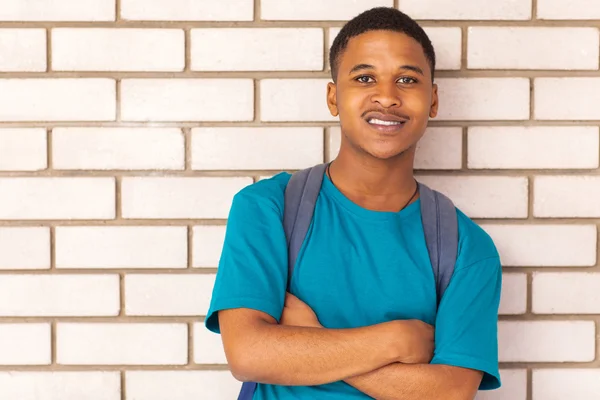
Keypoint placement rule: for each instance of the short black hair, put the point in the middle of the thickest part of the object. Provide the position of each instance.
(378, 19)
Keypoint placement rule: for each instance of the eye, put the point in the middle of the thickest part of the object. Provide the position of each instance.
(407, 80)
(364, 79)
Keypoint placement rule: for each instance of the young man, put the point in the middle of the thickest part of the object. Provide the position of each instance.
(359, 320)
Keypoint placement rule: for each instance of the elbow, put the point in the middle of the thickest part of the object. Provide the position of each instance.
(242, 367)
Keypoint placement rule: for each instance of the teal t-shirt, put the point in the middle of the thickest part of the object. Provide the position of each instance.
(356, 268)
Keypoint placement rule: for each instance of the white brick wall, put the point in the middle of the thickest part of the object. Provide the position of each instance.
(23, 149)
(60, 385)
(57, 100)
(59, 295)
(25, 248)
(186, 10)
(121, 344)
(568, 9)
(118, 148)
(25, 344)
(555, 384)
(187, 99)
(533, 147)
(98, 49)
(227, 148)
(533, 48)
(537, 341)
(22, 50)
(126, 128)
(481, 99)
(181, 294)
(57, 10)
(467, 9)
(271, 49)
(567, 98)
(121, 247)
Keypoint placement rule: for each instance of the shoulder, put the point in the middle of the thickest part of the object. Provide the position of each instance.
(474, 244)
(265, 194)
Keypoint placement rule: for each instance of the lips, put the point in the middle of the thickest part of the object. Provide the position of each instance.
(385, 122)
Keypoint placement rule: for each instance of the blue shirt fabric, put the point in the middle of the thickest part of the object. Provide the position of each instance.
(356, 268)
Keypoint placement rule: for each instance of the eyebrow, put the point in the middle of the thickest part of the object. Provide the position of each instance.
(360, 67)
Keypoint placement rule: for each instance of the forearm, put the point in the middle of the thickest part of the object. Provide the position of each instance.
(418, 382)
(289, 355)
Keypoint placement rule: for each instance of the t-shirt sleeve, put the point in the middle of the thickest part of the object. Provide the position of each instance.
(252, 269)
(466, 331)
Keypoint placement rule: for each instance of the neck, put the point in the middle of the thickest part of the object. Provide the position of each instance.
(375, 184)
(368, 176)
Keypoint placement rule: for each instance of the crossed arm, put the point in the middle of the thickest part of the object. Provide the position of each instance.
(385, 361)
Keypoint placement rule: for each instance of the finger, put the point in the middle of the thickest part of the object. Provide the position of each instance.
(289, 299)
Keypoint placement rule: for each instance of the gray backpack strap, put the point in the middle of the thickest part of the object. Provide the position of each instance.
(301, 196)
(440, 224)
(300, 199)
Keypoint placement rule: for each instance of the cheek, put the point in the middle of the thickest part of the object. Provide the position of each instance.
(351, 103)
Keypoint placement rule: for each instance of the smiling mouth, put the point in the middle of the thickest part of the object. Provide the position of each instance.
(375, 121)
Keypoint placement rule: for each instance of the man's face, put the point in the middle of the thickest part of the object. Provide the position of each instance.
(384, 94)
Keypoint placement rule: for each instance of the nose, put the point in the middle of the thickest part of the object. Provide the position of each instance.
(387, 95)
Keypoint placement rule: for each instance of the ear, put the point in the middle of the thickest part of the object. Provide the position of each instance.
(433, 111)
(332, 99)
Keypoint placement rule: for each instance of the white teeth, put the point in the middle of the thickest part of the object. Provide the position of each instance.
(376, 121)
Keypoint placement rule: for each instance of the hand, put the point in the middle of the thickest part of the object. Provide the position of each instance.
(416, 342)
(298, 313)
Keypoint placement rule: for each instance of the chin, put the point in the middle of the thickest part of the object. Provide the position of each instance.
(387, 154)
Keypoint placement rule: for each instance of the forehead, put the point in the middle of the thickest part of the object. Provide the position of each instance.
(381, 47)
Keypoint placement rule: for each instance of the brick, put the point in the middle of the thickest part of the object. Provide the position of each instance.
(484, 196)
(107, 49)
(566, 196)
(180, 198)
(66, 99)
(25, 248)
(566, 293)
(57, 198)
(121, 344)
(568, 9)
(228, 148)
(544, 341)
(533, 48)
(514, 386)
(208, 347)
(59, 295)
(181, 294)
(57, 10)
(25, 344)
(186, 10)
(448, 47)
(545, 245)
(317, 10)
(121, 247)
(251, 49)
(308, 102)
(468, 9)
(446, 41)
(118, 148)
(533, 147)
(567, 98)
(22, 50)
(514, 294)
(187, 99)
(481, 99)
(439, 148)
(23, 149)
(207, 245)
(181, 385)
(556, 384)
(60, 385)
